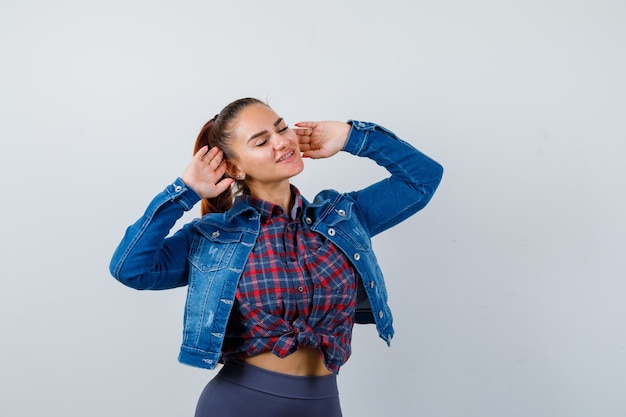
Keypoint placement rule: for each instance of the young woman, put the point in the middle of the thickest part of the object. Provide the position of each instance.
(274, 282)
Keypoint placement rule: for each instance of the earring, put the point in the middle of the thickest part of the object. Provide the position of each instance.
(240, 177)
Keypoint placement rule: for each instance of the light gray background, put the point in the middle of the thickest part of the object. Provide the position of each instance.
(507, 289)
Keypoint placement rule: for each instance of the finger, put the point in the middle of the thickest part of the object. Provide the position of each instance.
(205, 152)
(310, 154)
(220, 170)
(305, 125)
(302, 130)
(223, 185)
(215, 159)
(201, 152)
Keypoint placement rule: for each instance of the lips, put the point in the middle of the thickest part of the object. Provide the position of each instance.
(285, 156)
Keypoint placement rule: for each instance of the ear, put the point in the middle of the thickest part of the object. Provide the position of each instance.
(233, 170)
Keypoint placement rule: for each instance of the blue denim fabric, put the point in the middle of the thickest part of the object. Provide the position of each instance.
(209, 254)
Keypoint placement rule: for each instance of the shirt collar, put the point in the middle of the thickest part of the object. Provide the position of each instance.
(269, 210)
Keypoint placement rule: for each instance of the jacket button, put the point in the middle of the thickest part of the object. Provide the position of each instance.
(178, 188)
(361, 124)
(342, 213)
(371, 284)
(215, 234)
(308, 220)
(380, 314)
(357, 256)
(331, 232)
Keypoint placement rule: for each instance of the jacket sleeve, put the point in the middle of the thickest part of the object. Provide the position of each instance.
(147, 258)
(414, 176)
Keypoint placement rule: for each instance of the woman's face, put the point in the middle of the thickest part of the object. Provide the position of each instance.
(264, 148)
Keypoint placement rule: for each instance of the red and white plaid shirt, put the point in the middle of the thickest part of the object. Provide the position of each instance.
(297, 289)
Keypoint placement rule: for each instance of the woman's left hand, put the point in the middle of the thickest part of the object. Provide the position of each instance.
(321, 139)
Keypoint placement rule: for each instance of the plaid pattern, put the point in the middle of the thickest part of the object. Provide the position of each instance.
(298, 289)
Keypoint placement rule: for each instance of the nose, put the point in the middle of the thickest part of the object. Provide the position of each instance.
(280, 142)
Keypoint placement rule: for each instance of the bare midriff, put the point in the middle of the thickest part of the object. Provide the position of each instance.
(303, 362)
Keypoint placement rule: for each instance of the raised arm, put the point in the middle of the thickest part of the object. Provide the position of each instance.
(146, 258)
(414, 176)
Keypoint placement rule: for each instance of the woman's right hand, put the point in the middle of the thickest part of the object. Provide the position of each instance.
(205, 171)
(321, 139)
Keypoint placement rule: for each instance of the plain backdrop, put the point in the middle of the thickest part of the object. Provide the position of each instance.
(507, 290)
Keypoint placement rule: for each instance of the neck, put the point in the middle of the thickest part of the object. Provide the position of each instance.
(279, 194)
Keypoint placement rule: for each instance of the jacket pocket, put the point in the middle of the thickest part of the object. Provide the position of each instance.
(214, 252)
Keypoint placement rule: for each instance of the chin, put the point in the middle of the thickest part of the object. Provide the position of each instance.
(295, 173)
(299, 169)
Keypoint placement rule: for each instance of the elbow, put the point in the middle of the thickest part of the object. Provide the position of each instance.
(437, 173)
(431, 182)
(435, 177)
(135, 282)
(126, 277)
(424, 192)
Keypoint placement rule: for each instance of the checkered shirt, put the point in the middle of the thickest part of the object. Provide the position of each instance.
(297, 289)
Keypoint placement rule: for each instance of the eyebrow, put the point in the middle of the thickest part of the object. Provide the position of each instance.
(264, 132)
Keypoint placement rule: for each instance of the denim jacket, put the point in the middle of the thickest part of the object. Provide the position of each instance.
(209, 254)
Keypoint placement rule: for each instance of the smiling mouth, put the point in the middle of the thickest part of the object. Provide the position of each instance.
(286, 156)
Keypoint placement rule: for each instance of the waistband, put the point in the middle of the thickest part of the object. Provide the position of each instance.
(275, 383)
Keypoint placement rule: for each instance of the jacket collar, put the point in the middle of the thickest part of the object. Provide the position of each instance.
(317, 208)
(240, 206)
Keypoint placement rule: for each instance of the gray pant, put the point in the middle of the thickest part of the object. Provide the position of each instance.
(240, 389)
